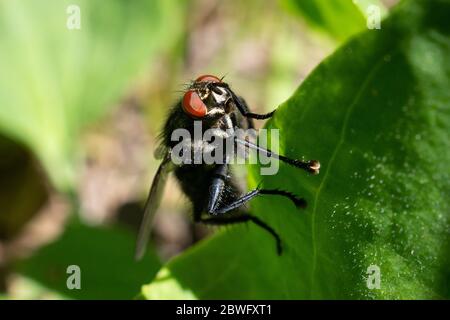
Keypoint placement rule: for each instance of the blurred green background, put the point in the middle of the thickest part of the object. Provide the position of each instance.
(80, 110)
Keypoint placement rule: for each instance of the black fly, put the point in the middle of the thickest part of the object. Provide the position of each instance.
(215, 196)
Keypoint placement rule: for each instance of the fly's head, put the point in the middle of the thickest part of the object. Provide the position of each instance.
(207, 97)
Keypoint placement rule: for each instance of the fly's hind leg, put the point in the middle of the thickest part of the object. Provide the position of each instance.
(241, 218)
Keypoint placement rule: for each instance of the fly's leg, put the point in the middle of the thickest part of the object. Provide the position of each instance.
(216, 213)
(242, 107)
(298, 202)
(218, 184)
(224, 220)
(220, 175)
(311, 166)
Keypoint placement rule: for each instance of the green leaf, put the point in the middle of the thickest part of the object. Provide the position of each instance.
(377, 115)
(55, 80)
(106, 260)
(339, 19)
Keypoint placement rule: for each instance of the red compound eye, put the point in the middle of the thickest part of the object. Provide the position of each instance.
(207, 78)
(193, 105)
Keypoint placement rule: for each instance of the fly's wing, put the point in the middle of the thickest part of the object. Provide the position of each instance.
(160, 152)
(152, 204)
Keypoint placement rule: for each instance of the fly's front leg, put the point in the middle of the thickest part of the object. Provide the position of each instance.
(250, 123)
(242, 107)
(311, 166)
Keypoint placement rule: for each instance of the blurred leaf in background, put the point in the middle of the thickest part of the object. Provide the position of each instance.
(20, 179)
(106, 260)
(376, 114)
(54, 80)
(339, 19)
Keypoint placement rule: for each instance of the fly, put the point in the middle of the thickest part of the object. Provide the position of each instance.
(216, 198)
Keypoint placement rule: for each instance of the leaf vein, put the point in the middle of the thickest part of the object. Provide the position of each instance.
(341, 141)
